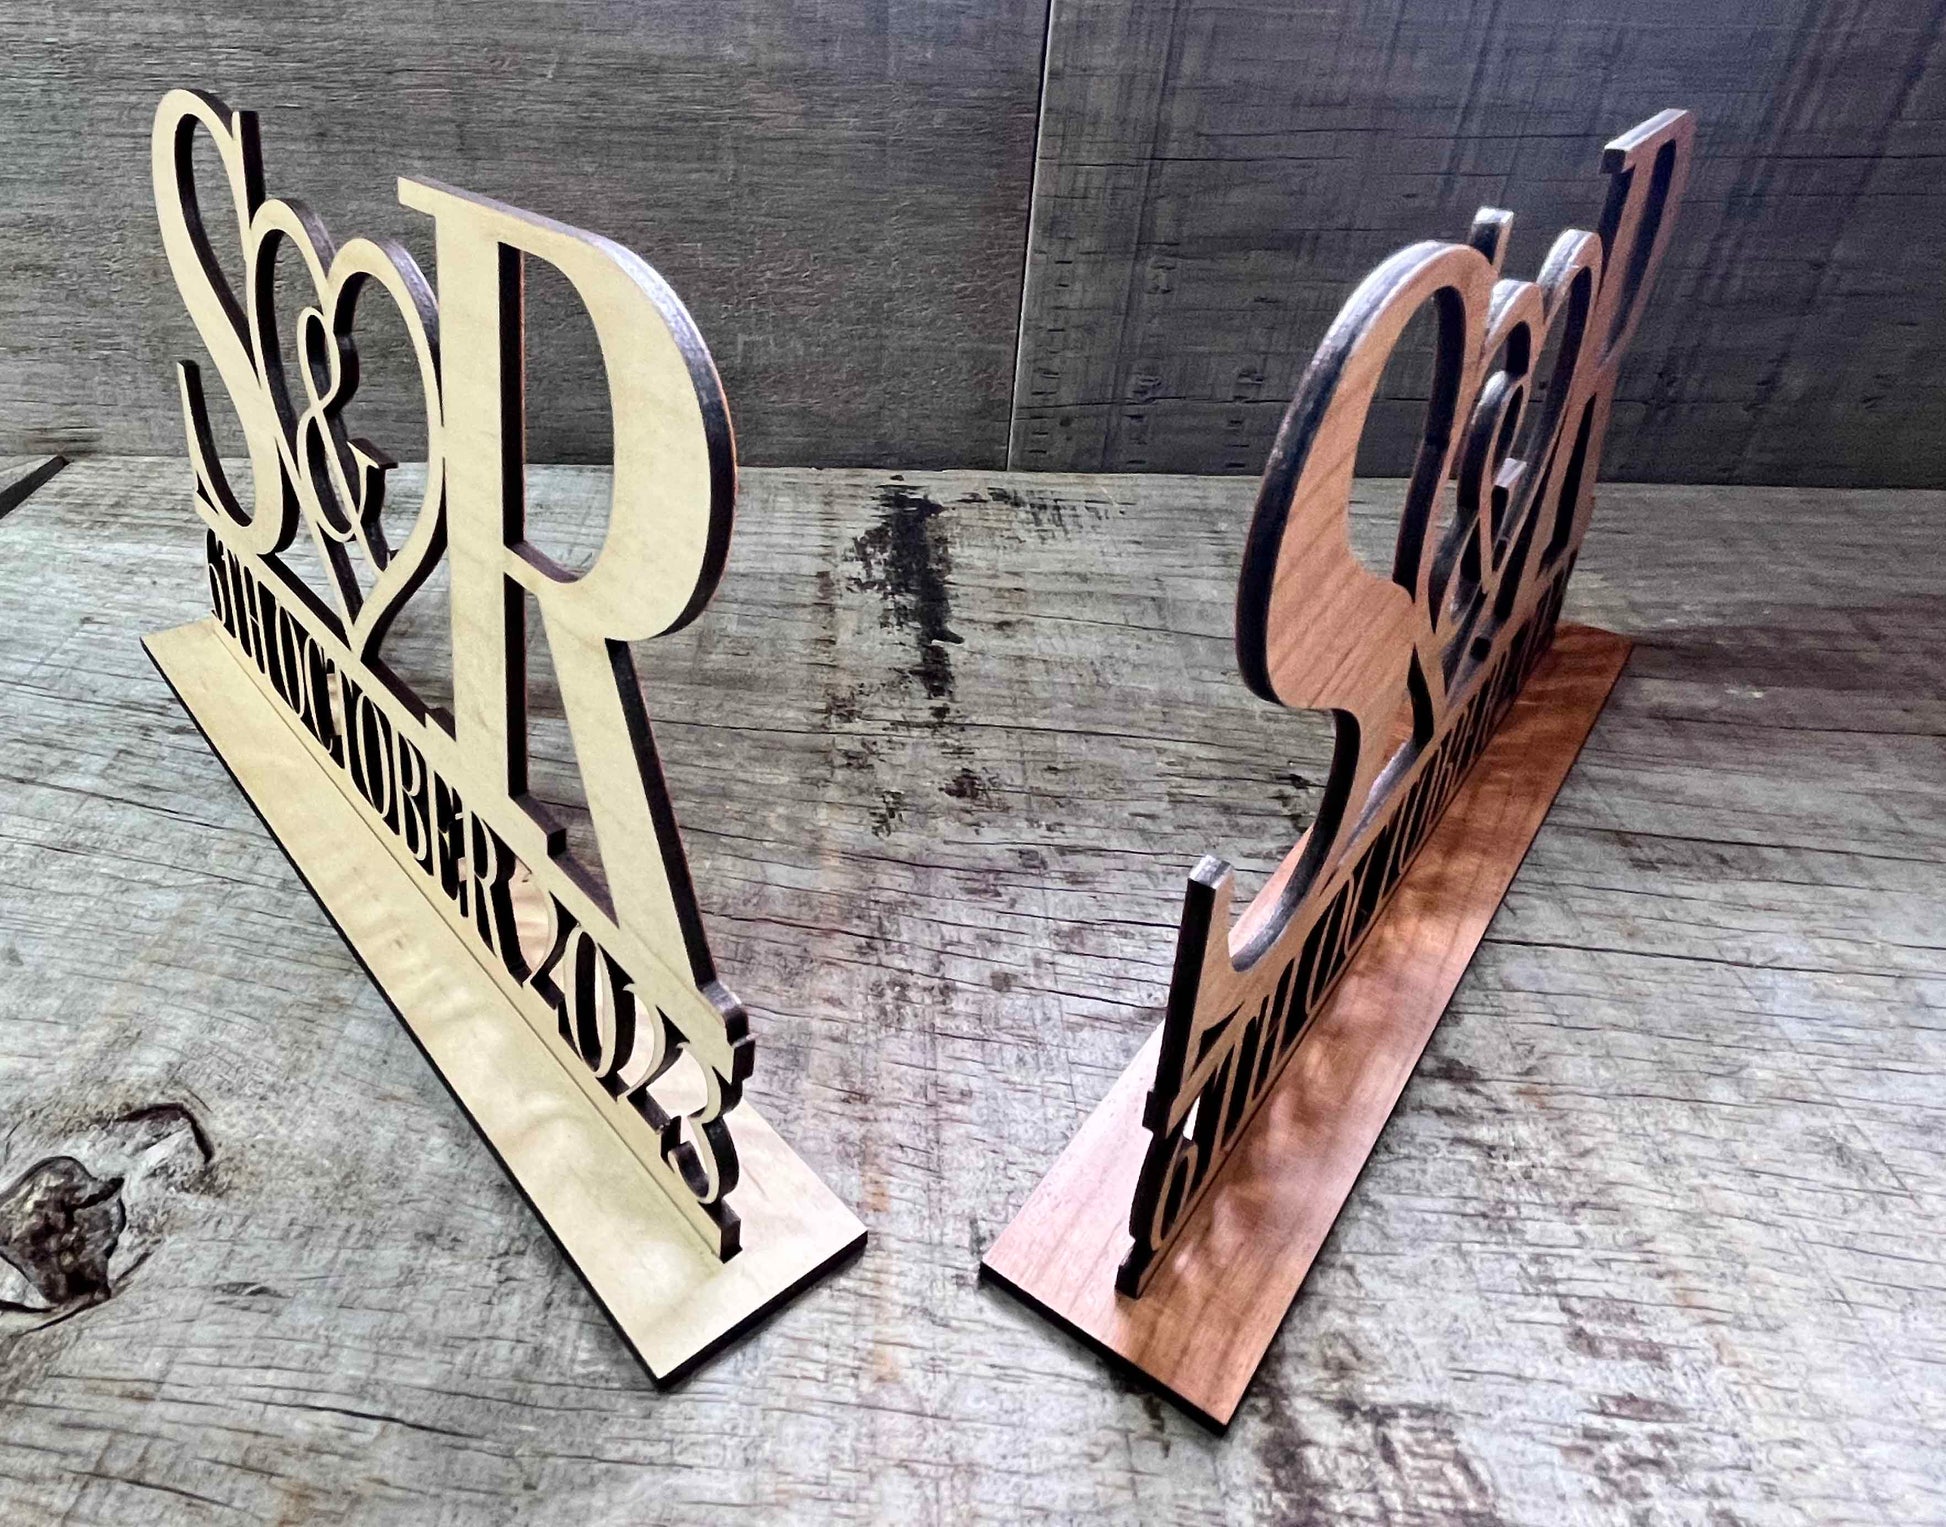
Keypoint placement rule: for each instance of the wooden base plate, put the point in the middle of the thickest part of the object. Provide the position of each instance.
(674, 1303)
(1203, 1325)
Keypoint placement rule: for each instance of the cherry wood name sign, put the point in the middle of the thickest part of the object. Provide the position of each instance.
(1175, 1230)
(573, 1007)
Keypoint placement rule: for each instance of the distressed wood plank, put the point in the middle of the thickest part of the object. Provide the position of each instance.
(1213, 177)
(839, 192)
(1654, 1230)
(20, 476)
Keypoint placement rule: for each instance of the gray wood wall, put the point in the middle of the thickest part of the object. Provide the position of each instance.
(841, 192)
(1214, 176)
(838, 190)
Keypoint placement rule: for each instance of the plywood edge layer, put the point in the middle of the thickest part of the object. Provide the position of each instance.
(1199, 1332)
(673, 1303)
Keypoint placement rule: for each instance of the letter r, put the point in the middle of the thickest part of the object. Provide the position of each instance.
(668, 526)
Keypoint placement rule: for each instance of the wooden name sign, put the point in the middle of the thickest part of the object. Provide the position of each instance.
(572, 1006)
(1176, 1229)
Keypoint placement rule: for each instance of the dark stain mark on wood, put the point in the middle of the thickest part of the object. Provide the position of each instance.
(169, 1116)
(59, 1225)
(1297, 797)
(841, 709)
(246, 1290)
(1449, 1068)
(1047, 515)
(75, 1229)
(888, 811)
(1299, 1493)
(966, 786)
(906, 559)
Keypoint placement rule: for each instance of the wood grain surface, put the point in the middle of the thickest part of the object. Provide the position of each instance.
(20, 476)
(1213, 176)
(841, 193)
(838, 190)
(1653, 1237)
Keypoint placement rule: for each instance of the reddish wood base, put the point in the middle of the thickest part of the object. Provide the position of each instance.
(1201, 1329)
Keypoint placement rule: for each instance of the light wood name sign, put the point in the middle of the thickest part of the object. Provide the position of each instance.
(1177, 1227)
(572, 1006)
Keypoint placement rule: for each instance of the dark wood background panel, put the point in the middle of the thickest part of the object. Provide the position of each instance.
(839, 192)
(1215, 176)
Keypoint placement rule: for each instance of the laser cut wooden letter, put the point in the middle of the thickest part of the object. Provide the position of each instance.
(558, 1000)
(1201, 1188)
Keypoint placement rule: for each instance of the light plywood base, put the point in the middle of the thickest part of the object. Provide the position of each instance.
(1199, 1331)
(673, 1302)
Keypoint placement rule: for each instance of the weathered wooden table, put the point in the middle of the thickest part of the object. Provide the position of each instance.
(1655, 1235)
